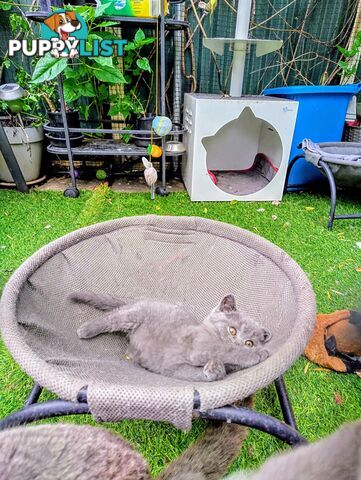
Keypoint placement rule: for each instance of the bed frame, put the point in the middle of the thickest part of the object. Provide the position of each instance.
(285, 431)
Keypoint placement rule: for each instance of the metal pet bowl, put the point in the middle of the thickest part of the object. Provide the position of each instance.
(11, 91)
(173, 147)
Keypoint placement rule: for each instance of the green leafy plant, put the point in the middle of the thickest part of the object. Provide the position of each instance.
(90, 77)
(349, 66)
(135, 65)
(6, 6)
(36, 96)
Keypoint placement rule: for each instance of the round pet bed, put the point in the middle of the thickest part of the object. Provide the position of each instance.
(340, 162)
(343, 158)
(177, 259)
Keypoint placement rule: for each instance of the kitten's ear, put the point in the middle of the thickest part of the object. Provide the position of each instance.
(227, 304)
(267, 335)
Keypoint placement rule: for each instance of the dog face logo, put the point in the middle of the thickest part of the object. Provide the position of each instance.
(63, 24)
(64, 34)
(64, 29)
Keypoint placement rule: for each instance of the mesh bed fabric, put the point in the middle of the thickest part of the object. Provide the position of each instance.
(176, 259)
(344, 159)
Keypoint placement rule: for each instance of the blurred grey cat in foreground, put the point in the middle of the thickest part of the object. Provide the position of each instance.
(74, 452)
(164, 338)
(335, 458)
(70, 452)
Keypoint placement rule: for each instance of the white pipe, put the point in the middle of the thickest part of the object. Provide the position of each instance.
(239, 55)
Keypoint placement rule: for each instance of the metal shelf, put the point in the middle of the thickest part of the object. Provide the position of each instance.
(170, 23)
(37, 16)
(101, 147)
(48, 128)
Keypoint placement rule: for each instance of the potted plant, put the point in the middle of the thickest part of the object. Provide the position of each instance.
(24, 133)
(349, 66)
(133, 106)
(23, 118)
(89, 78)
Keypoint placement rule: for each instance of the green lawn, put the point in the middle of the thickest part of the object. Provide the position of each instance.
(297, 225)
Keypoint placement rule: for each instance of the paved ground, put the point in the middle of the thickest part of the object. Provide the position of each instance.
(120, 185)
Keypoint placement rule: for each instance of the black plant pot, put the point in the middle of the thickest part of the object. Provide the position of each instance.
(58, 138)
(60, 142)
(145, 123)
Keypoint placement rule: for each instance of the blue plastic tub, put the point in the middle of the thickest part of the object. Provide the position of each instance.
(321, 117)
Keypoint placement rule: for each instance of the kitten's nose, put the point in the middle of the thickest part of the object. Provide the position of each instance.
(75, 23)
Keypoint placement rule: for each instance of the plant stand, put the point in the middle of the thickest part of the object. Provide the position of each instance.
(108, 147)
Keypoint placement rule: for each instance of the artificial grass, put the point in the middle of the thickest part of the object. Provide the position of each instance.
(322, 400)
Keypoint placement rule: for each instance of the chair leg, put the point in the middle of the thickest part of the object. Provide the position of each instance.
(289, 168)
(253, 419)
(34, 395)
(326, 168)
(39, 411)
(285, 403)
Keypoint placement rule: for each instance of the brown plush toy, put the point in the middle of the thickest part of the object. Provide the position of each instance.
(336, 341)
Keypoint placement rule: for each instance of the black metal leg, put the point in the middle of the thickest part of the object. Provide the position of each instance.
(285, 403)
(39, 411)
(286, 432)
(72, 191)
(162, 190)
(326, 168)
(34, 395)
(289, 168)
(260, 421)
(11, 162)
(110, 172)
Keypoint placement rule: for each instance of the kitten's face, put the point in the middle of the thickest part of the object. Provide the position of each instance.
(237, 328)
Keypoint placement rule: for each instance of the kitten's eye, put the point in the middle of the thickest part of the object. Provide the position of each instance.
(248, 343)
(232, 331)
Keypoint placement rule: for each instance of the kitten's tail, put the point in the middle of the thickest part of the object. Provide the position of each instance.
(211, 454)
(100, 301)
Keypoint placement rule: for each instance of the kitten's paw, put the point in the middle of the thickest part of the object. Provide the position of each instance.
(214, 370)
(86, 331)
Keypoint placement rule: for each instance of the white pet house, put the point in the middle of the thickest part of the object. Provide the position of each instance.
(237, 147)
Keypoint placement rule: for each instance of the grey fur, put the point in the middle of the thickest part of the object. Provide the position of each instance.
(211, 454)
(335, 458)
(68, 452)
(73, 452)
(166, 339)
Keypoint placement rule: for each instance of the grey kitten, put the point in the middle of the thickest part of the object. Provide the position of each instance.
(68, 452)
(334, 458)
(166, 339)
